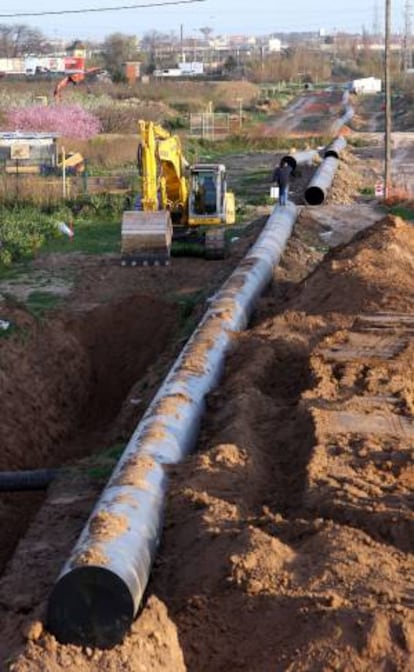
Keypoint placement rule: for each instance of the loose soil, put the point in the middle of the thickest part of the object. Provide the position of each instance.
(288, 540)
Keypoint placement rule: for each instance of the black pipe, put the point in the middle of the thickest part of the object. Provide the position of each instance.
(19, 481)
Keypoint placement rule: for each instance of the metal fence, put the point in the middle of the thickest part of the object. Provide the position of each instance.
(213, 125)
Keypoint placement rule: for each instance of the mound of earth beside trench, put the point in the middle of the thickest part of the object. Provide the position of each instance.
(288, 535)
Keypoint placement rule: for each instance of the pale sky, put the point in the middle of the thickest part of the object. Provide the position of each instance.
(255, 17)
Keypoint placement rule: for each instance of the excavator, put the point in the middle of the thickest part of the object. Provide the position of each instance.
(178, 202)
(76, 77)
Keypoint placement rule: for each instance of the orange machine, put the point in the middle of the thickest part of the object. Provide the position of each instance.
(75, 77)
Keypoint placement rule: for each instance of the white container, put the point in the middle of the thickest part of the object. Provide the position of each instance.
(274, 192)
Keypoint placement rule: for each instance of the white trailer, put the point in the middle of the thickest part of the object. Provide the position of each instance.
(366, 85)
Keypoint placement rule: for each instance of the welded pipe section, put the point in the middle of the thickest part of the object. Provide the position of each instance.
(100, 589)
(305, 158)
(19, 481)
(336, 147)
(318, 187)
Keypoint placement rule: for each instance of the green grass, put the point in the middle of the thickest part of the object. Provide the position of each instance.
(202, 150)
(38, 303)
(99, 467)
(403, 211)
(367, 191)
(91, 237)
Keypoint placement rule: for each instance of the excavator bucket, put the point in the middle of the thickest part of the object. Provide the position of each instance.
(146, 238)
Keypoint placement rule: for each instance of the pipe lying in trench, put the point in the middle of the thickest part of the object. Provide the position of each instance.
(318, 187)
(19, 481)
(300, 158)
(100, 589)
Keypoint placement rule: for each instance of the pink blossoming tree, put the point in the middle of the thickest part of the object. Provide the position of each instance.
(67, 120)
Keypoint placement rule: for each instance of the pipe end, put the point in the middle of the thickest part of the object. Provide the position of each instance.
(290, 160)
(331, 152)
(314, 196)
(90, 606)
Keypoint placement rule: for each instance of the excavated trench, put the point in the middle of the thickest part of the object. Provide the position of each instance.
(288, 534)
(62, 385)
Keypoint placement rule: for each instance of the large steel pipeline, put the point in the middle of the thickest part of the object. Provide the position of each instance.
(347, 116)
(335, 147)
(295, 159)
(318, 187)
(100, 588)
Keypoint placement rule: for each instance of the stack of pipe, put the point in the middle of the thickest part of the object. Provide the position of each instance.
(100, 589)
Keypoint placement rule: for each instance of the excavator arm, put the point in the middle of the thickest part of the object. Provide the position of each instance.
(161, 164)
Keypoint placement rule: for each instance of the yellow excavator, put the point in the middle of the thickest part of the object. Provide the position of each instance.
(177, 201)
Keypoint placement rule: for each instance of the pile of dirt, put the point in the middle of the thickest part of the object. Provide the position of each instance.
(374, 272)
(348, 182)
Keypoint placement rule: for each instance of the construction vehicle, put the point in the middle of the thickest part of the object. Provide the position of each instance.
(77, 77)
(177, 201)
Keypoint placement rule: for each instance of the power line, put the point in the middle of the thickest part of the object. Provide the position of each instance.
(98, 9)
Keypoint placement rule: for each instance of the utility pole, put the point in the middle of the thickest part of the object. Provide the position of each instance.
(408, 11)
(387, 157)
(376, 26)
(182, 43)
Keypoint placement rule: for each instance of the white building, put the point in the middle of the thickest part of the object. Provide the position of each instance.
(274, 45)
(366, 85)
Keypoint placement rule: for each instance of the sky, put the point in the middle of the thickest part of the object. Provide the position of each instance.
(254, 17)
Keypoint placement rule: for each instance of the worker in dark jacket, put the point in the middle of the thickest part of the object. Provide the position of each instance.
(281, 175)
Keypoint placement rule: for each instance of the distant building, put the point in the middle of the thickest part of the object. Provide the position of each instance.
(132, 70)
(27, 153)
(274, 45)
(190, 69)
(366, 85)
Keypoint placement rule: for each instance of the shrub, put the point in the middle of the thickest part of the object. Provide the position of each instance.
(70, 120)
(22, 232)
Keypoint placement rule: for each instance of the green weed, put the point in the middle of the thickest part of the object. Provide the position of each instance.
(99, 467)
(38, 303)
(403, 211)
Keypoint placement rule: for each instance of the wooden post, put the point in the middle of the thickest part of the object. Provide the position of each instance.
(387, 138)
(63, 173)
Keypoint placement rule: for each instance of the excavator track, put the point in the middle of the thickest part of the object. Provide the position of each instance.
(215, 246)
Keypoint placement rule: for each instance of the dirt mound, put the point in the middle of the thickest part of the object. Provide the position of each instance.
(348, 179)
(373, 272)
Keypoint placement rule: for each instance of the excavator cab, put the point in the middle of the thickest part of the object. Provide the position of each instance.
(209, 201)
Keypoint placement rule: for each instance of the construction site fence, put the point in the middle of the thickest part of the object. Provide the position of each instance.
(214, 125)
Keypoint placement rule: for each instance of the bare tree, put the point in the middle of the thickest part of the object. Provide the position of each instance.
(20, 40)
(207, 32)
(118, 48)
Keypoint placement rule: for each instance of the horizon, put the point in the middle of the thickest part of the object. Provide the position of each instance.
(228, 19)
